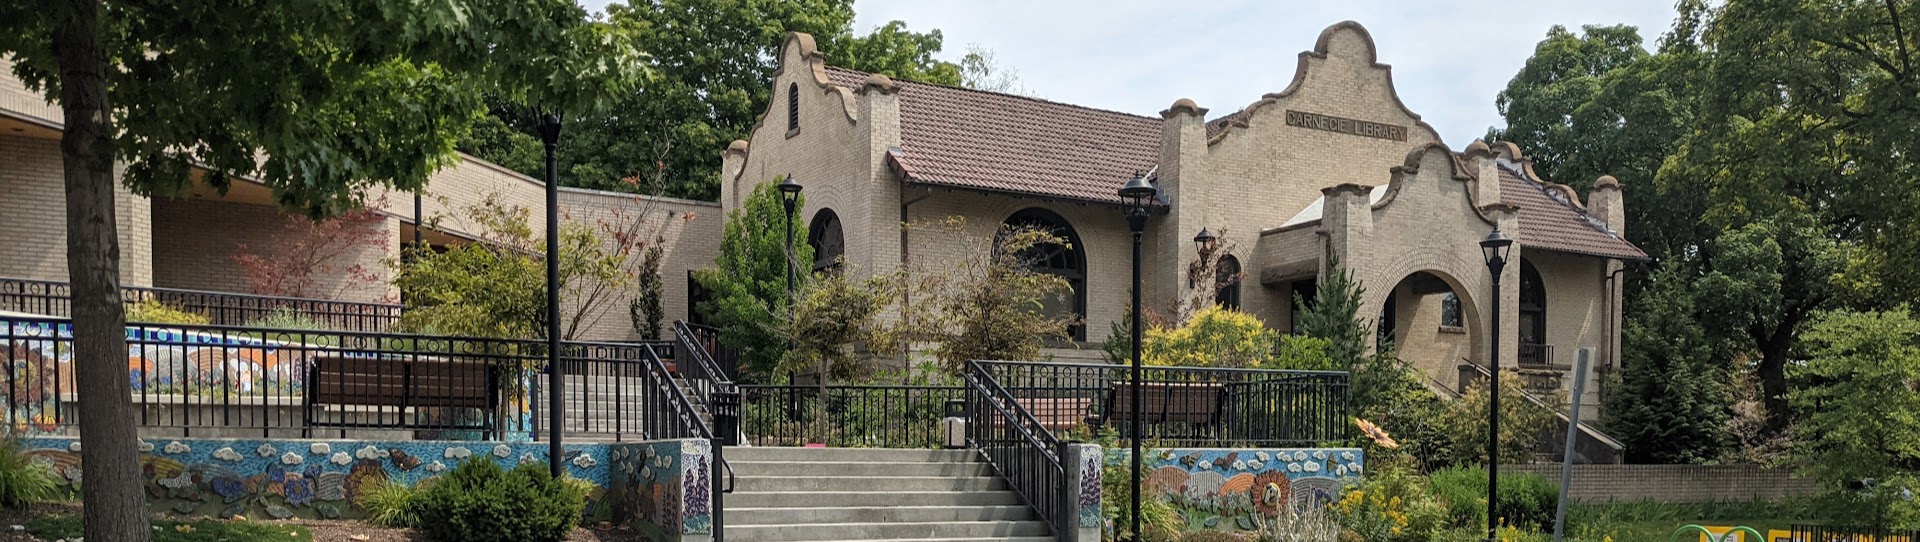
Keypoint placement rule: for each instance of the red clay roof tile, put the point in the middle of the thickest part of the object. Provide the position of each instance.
(1548, 223)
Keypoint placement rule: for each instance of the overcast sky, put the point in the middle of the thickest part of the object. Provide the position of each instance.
(1450, 58)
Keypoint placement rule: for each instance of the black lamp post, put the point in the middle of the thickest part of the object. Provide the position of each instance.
(1137, 195)
(789, 198)
(550, 135)
(1496, 248)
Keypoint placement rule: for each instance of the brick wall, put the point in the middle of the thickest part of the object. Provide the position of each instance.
(195, 240)
(691, 232)
(33, 216)
(1676, 483)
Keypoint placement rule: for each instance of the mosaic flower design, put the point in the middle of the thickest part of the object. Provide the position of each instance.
(228, 488)
(299, 491)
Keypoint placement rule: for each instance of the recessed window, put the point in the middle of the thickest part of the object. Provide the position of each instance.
(1226, 282)
(793, 108)
(828, 244)
(1533, 305)
(1065, 260)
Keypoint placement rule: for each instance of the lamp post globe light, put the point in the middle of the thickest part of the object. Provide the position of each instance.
(1205, 241)
(1137, 195)
(1496, 248)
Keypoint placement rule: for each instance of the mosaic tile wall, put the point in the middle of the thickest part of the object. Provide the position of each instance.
(319, 478)
(1228, 489)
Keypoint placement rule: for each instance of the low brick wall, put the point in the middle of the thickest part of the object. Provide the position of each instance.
(1676, 483)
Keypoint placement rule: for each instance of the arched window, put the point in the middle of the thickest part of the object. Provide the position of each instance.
(1226, 282)
(793, 108)
(1067, 261)
(1450, 309)
(1533, 315)
(828, 244)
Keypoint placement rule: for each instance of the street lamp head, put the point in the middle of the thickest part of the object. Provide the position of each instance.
(1496, 248)
(549, 129)
(1137, 192)
(1205, 241)
(789, 192)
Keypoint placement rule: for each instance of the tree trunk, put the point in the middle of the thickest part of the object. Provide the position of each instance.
(115, 503)
(1773, 378)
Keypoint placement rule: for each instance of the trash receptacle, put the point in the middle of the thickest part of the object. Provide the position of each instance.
(954, 425)
(726, 417)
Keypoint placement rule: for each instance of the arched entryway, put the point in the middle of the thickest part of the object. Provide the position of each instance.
(1429, 322)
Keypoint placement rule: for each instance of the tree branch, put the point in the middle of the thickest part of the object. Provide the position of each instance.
(1899, 37)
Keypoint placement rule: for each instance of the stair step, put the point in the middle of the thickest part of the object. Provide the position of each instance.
(858, 468)
(869, 531)
(857, 499)
(737, 516)
(856, 483)
(884, 455)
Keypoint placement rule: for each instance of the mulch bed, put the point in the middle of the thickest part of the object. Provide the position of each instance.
(323, 530)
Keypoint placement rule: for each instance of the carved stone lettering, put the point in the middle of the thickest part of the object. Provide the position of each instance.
(1346, 126)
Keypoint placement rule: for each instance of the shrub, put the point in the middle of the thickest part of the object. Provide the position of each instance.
(1521, 423)
(391, 504)
(1526, 500)
(1159, 521)
(287, 318)
(479, 501)
(21, 481)
(152, 311)
(1391, 505)
(1214, 337)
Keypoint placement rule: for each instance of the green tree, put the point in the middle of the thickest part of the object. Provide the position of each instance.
(836, 321)
(1670, 405)
(318, 100)
(715, 60)
(496, 287)
(991, 303)
(1860, 418)
(749, 281)
(1334, 315)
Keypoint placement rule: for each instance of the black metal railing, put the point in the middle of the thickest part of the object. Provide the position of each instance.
(847, 416)
(1536, 355)
(694, 361)
(1019, 447)
(242, 382)
(1184, 405)
(1840, 533)
(609, 390)
(50, 298)
(1591, 446)
(723, 359)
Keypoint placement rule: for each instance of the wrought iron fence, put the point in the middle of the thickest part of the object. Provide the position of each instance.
(51, 298)
(692, 356)
(846, 416)
(1183, 405)
(1019, 446)
(226, 381)
(1841, 533)
(725, 361)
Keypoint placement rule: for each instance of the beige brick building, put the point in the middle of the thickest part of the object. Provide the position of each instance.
(1332, 168)
(188, 241)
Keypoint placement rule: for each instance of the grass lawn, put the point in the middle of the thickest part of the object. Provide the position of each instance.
(1635, 522)
(206, 530)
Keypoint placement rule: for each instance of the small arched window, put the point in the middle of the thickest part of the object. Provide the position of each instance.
(1066, 261)
(1226, 282)
(793, 108)
(827, 242)
(1450, 309)
(1533, 315)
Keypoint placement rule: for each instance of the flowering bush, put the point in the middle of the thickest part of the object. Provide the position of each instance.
(1392, 505)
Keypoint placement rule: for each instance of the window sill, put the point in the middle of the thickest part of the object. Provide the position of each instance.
(1453, 329)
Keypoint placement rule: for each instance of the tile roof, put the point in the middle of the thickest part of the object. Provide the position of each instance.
(1005, 143)
(997, 142)
(1550, 223)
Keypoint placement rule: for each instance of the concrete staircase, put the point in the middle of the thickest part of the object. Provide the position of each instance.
(597, 403)
(873, 494)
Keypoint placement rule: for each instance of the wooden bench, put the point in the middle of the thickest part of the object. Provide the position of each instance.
(1059, 413)
(1197, 403)
(402, 385)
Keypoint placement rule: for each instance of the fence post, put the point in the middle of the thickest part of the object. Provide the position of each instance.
(1573, 434)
